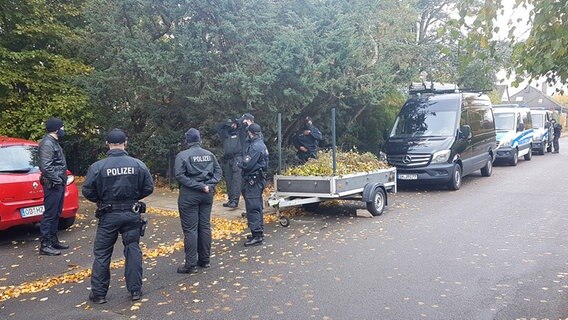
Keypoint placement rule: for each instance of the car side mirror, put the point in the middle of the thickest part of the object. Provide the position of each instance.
(465, 132)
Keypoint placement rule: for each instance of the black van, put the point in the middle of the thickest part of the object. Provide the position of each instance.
(441, 135)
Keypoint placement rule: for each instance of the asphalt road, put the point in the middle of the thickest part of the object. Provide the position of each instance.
(496, 249)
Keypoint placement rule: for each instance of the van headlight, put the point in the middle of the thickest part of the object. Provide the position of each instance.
(537, 139)
(70, 179)
(505, 143)
(441, 156)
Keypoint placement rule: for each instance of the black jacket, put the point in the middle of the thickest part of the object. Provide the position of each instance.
(196, 167)
(310, 141)
(52, 162)
(118, 178)
(255, 158)
(557, 129)
(232, 144)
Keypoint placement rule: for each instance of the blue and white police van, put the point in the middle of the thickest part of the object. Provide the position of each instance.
(543, 131)
(514, 128)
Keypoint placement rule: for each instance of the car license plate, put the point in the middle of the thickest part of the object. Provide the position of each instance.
(32, 211)
(402, 176)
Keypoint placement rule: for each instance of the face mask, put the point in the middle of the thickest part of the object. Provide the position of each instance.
(60, 133)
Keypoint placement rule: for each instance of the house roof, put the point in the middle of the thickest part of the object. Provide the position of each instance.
(534, 98)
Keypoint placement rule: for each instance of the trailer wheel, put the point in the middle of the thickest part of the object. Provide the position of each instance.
(377, 205)
(284, 221)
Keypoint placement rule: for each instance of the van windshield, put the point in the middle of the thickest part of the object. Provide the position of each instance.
(505, 121)
(426, 118)
(538, 120)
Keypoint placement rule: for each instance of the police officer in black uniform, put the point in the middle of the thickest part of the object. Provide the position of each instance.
(197, 172)
(116, 184)
(53, 178)
(255, 168)
(232, 156)
(242, 124)
(557, 130)
(306, 141)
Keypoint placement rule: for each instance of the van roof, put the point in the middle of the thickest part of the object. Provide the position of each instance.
(507, 105)
(504, 109)
(450, 96)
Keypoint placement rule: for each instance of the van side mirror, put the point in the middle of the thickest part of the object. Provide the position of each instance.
(520, 127)
(547, 125)
(465, 132)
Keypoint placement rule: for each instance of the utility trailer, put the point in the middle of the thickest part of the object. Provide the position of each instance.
(309, 191)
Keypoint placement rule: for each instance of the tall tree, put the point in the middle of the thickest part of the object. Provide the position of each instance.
(37, 67)
(545, 52)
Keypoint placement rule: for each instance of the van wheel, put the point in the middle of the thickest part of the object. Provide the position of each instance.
(528, 156)
(455, 182)
(488, 169)
(549, 148)
(542, 150)
(515, 158)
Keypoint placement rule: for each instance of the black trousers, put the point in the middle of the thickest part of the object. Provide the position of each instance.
(304, 156)
(195, 215)
(555, 143)
(252, 193)
(233, 177)
(127, 223)
(53, 203)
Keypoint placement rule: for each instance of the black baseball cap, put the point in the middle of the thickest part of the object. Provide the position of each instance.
(254, 128)
(116, 136)
(247, 116)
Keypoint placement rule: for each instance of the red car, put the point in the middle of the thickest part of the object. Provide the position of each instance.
(21, 194)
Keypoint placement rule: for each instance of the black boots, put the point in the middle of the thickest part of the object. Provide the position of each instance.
(46, 248)
(254, 241)
(97, 299)
(230, 204)
(186, 269)
(51, 246)
(59, 245)
(136, 295)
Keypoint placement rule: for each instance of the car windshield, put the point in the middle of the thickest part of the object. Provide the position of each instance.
(538, 120)
(505, 121)
(426, 118)
(18, 159)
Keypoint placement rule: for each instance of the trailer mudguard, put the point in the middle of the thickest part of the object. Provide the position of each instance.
(369, 192)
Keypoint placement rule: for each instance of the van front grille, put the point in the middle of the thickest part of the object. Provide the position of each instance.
(409, 160)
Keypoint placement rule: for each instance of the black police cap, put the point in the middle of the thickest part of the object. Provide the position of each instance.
(116, 136)
(254, 128)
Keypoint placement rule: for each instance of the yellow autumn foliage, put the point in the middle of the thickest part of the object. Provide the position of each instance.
(346, 163)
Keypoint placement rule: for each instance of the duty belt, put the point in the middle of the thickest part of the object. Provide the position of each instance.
(122, 206)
